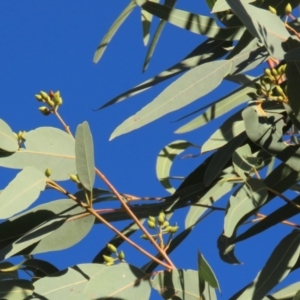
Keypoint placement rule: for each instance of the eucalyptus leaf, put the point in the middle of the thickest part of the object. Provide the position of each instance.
(84, 150)
(180, 93)
(8, 140)
(17, 289)
(146, 23)
(112, 30)
(21, 192)
(285, 293)
(221, 5)
(45, 148)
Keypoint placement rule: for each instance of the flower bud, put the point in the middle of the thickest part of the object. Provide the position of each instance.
(279, 90)
(48, 172)
(144, 237)
(152, 219)
(151, 224)
(272, 10)
(108, 260)
(74, 178)
(38, 97)
(267, 72)
(288, 9)
(57, 99)
(161, 217)
(165, 224)
(274, 72)
(121, 255)
(45, 110)
(111, 248)
(44, 95)
(173, 229)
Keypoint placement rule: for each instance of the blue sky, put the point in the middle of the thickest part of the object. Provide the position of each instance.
(49, 45)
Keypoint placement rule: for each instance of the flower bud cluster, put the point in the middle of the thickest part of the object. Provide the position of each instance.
(53, 101)
(109, 260)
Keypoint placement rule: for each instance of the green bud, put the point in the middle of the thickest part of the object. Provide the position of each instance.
(74, 178)
(274, 72)
(280, 98)
(161, 217)
(45, 110)
(152, 219)
(108, 260)
(111, 248)
(48, 172)
(272, 10)
(38, 97)
(267, 72)
(57, 99)
(279, 90)
(151, 224)
(165, 224)
(283, 68)
(44, 95)
(121, 255)
(173, 229)
(288, 9)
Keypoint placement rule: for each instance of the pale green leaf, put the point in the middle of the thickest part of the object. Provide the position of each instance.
(8, 141)
(165, 160)
(239, 160)
(221, 5)
(232, 127)
(95, 281)
(183, 284)
(84, 150)
(219, 108)
(45, 147)
(146, 24)
(21, 192)
(112, 30)
(278, 266)
(206, 273)
(249, 197)
(189, 87)
(264, 25)
(193, 22)
(285, 293)
(17, 289)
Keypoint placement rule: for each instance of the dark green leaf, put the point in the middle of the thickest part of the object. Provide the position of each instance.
(278, 266)
(41, 265)
(11, 274)
(180, 93)
(206, 273)
(84, 150)
(17, 289)
(21, 192)
(287, 293)
(146, 23)
(226, 250)
(8, 140)
(45, 147)
(112, 30)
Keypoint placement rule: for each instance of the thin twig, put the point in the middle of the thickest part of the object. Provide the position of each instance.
(283, 197)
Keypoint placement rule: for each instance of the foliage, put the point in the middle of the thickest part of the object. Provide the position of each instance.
(253, 156)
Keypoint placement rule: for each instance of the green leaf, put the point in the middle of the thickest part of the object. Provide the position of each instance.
(226, 250)
(45, 147)
(262, 24)
(8, 141)
(231, 128)
(157, 35)
(4, 275)
(278, 266)
(209, 50)
(192, 22)
(146, 23)
(221, 158)
(95, 281)
(213, 194)
(206, 273)
(21, 192)
(56, 225)
(221, 5)
(219, 108)
(40, 265)
(84, 150)
(240, 161)
(180, 93)
(249, 197)
(165, 160)
(183, 284)
(112, 30)
(17, 289)
(286, 293)
(285, 212)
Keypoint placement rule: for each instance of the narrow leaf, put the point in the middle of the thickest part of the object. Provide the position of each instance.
(278, 266)
(249, 197)
(112, 30)
(206, 273)
(8, 140)
(21, 192)
(165, 160)
(286, 293)
(84, 150)
(221, 5)
(192, 22)
(146, 23)
(180, 93)
(17, 289)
